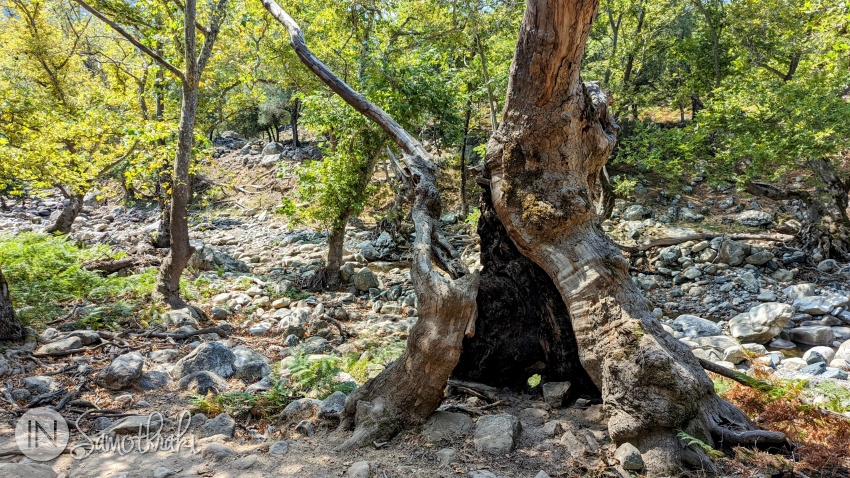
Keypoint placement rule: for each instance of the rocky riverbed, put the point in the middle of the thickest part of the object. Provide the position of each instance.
(743, 304)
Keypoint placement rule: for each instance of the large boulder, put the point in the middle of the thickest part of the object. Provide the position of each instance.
(365, 279)
(693, 326)
(211, 357)
(122, 372)
(61, 345)
(731, 252)
(820, 305)
(204, 382)
(761, 323)
(209, 258)
(446, 427)
(755, 218)
(812, 335)
(798, 291)
(272, 148)
(843, 352)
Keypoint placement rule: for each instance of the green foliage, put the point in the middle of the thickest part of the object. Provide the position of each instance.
(534, 380)
(46, 273)
(708, 449)
(837, 398)
(358, 365)
(473, 217)
(306, 378)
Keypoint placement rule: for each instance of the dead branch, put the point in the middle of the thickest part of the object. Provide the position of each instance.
(671, 241)
(183, 335)
(478, 389)
(108, 266)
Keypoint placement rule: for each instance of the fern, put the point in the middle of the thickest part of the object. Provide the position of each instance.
(708, 449)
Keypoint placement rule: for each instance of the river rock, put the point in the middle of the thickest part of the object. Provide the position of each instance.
(693, 326)
(761, 323)
(210, 356)
(365, 279)
(122, 372)
(811, 335)
(755, 218)
(61, 345)
(820, 305)
(798, 291)
(497, 434)
(446, 427)
(204, 382)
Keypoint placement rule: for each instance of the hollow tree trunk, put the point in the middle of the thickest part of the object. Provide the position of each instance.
(523, 326)
(10, 327)
(68, 216)
(335, 249)
(543, 162)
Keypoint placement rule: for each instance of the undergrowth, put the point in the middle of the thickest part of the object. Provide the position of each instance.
(46, 276)
(358, 366)
(822, 437)
(306, 378)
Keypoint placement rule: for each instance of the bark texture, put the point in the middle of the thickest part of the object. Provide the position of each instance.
(68, 216)
(10, 327)
(544, 161)
(335, 249)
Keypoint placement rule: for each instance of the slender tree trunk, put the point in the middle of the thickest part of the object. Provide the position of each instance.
(491, 98)
(615, 36)
(464, 202)
(293, 119)
(335, 249)
(68, 216)
(168, 279)
(715, 41)
(10, 327)
(543, 164)
(163, 233)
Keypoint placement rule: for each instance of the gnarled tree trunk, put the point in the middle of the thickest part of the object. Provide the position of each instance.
(10, 326)
(555, 137)
(168, 277)
(542, 164)
(68, 216)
